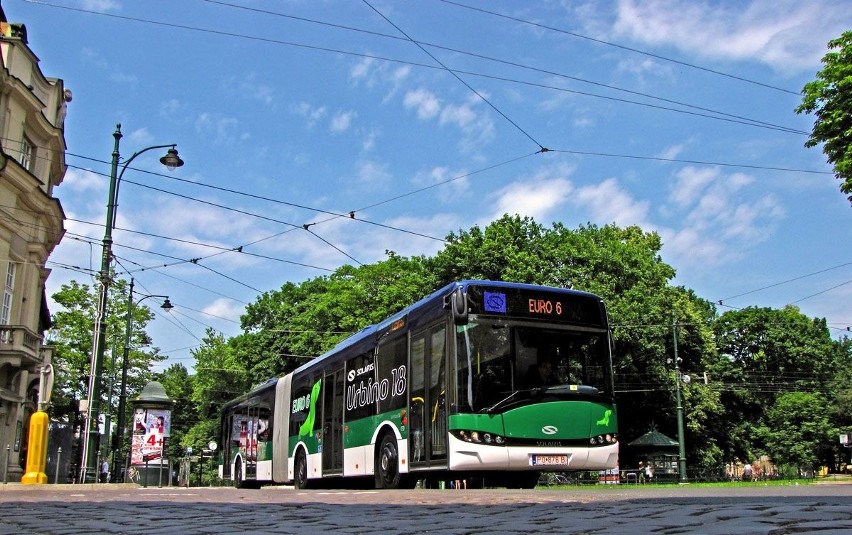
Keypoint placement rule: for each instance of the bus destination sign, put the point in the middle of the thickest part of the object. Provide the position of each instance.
(532, 304)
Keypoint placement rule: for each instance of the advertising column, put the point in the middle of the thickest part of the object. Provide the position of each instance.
(152, 417)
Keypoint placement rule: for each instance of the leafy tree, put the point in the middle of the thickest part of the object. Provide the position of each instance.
(798, 431)
(219, 376)
(624, 267)
(828, 98)
(764, 354)
(71, 334)
(178, 385)
(300, 321)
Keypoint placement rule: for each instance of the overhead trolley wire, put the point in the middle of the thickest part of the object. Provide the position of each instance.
(459, 78)
(740, 119)
(454, 72)
(622, 47)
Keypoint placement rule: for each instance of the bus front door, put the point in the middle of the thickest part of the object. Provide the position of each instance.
(428, 437)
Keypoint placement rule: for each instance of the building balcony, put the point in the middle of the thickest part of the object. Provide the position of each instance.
(19, 346)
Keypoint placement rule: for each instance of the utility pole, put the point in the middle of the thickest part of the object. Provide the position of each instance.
(681, 462)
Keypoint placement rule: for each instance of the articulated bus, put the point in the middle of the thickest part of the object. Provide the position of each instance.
(491, 380)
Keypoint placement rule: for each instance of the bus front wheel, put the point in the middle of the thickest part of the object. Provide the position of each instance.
(300, 476)
(387, 464)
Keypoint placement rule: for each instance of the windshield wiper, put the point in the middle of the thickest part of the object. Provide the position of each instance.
(502, 402)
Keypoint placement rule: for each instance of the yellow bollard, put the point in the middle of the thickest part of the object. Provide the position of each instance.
(37, 455)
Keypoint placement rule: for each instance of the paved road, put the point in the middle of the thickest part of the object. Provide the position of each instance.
(66, 509)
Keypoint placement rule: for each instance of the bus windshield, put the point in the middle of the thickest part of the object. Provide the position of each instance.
(503, 363)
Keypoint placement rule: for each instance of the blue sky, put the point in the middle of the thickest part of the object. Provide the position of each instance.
(673, 115)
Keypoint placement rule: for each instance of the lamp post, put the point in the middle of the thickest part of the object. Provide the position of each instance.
(91, 440)
(122, 397)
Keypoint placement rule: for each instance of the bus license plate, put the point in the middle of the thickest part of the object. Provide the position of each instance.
(548, 460)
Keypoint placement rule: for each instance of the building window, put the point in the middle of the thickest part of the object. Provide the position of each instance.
(8, 292)
(27, 154)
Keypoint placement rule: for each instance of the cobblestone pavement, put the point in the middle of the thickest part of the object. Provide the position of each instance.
(67, 509)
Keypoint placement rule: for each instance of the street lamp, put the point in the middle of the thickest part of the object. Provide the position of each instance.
(91, 440)
(122, 398)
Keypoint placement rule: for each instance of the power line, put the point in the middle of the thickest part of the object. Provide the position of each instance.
(742, 120)
(457, 77)
(622, 47)
(375, 57)
(785, 282)
(695, 162)
(293, 226)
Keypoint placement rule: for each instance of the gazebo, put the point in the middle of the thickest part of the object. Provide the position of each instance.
(658, 450)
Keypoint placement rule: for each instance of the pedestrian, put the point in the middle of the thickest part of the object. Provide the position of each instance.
(105, 472)
(747, 472)
(649, 472)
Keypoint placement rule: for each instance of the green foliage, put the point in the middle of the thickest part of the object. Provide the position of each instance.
(286, 327)
(829, 98)
(72, 333)
(219, 376)
(770, 361)
(728, 418)
(798, 430)
(178, 385)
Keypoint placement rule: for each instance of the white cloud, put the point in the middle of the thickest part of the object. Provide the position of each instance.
(99, 5)
(537, 197)
(218, 128)
(424, 102)
(370, 172)
(788, 35)
(224, 308)
(609, 203)
(171, 107)
(140, 137)
(123, 78)
(671, 152)
(82, 180)
(721, 221)
(311, 113)
(369, 140)
(342, 121)
(458, 183)
(477, 129)
(690, 183)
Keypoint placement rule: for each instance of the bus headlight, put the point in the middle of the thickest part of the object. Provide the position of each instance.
(479, 437)
(600, 440)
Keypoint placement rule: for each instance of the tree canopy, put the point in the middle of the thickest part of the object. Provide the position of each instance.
(761, 374)
(829, 98)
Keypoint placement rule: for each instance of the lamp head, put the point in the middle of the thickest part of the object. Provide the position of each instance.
(171, 160)
(167, 305)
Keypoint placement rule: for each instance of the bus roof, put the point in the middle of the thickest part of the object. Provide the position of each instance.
(427, 306)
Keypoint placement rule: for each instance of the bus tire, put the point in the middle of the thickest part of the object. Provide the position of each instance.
(387, 463)
(238, 474)
(300, 471)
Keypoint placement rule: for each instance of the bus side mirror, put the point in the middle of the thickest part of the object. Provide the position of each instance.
(458, 302)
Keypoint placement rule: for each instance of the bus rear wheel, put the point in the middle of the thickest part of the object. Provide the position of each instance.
(387, 464)
(300, 475)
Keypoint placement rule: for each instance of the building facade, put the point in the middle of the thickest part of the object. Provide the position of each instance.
(32, 163)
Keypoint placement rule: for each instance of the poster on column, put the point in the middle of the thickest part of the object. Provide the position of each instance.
(150, 435)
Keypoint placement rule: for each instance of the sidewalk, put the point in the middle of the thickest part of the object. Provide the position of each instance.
(18, 487)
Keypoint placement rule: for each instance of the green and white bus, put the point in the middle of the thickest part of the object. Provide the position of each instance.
(481, 379)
